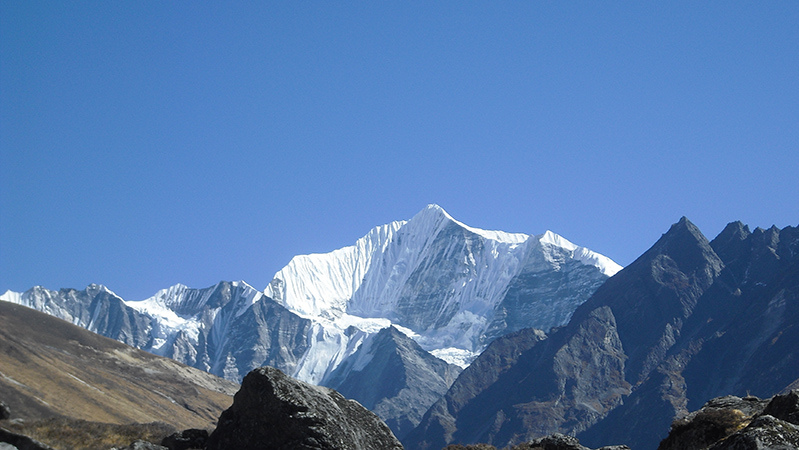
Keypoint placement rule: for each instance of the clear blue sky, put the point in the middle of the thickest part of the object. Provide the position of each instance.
(144, 144)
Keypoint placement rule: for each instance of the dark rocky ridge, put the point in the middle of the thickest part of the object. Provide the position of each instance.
(646, 343)
(272, 410)
(440, 423)
(739, 339)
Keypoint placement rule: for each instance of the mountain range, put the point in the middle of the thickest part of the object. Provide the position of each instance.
(453, 334)
(411, 304)
(687, 321)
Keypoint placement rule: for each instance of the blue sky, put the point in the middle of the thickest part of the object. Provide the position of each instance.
(144, 144)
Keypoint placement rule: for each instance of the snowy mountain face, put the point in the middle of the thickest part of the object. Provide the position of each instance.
(227, 329)
(450, 287)
(95, 308)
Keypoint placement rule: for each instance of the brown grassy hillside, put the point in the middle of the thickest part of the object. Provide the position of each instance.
(49, 367)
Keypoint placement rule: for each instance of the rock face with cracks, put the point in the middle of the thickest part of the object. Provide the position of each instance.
(273, 410)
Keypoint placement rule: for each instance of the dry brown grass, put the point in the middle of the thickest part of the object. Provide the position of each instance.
(51, 368)
(73, 434)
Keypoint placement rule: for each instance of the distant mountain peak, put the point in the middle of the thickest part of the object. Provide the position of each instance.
(684, 225)
(729, 244)
(441, 280)
(735, 229)
(552, 238)
(681, 237)
(433, 207)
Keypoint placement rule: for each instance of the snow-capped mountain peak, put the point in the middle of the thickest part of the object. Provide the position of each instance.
(449, 286)
(555, 239)
(433, 275)
(446, 287)
(180, 308)
(12, 297)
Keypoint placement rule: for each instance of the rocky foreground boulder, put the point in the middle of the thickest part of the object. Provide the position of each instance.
(734, 423)
(275, 411)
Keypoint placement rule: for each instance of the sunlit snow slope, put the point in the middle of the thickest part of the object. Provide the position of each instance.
(449, 286)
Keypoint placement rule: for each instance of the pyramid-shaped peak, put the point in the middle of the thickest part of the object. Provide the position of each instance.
(684, 242)
(555, 239)
(683, 227)
(433, 212)
(730, 243)
(737, 230)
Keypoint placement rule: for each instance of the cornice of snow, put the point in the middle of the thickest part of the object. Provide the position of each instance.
(606, 265)
(501, 236)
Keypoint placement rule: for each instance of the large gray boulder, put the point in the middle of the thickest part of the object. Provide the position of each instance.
(275, 411)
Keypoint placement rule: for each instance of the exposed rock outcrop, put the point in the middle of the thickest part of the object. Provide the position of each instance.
(763, 433)
(785, 407)
(558, 441)
(273, 410)
(718, 419)
(733, 423)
